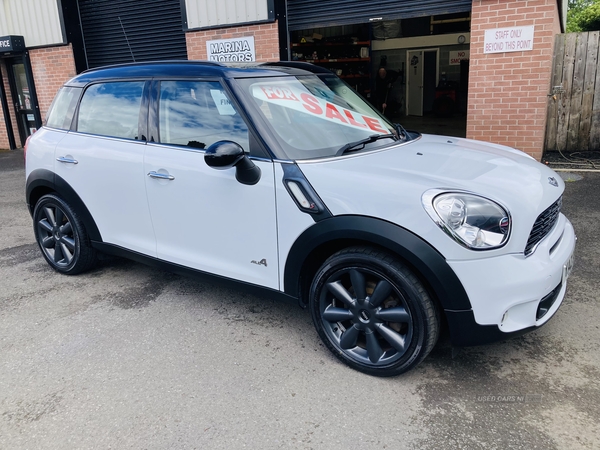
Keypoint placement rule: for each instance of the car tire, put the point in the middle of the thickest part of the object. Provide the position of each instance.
(372, 312)
(62, 237)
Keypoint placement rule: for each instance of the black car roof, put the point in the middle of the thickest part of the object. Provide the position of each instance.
(193, 69)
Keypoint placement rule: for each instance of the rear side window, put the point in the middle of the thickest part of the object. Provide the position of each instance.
(111, 109)
(198, 114)
(62, 109)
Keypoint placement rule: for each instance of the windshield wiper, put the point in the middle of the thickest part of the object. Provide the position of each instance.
(402, 133)
(359, 145)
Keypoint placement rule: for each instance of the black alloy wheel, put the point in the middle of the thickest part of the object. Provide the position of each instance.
(61, 236)
(372, 312)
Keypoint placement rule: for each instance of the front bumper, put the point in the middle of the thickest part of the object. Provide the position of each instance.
(513, 294)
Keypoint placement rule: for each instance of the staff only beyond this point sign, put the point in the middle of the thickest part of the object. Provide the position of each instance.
(232, 50)
(504, 40)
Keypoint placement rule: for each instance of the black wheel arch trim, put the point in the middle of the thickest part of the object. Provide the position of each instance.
(45, 181)
(429, 264)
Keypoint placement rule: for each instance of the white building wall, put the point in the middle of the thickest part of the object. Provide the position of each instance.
(212, 13)
(38, 21)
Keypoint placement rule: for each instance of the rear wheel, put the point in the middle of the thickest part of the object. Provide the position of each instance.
(61, 236)
(372, 312)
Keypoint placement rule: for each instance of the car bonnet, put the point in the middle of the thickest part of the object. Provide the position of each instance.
(389, 183)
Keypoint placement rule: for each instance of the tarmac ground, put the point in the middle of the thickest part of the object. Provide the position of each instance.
(129, 357)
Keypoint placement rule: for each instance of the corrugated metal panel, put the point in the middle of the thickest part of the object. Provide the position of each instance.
(149, 29)
(212, 13)
(36, 20)
(4, 30)
(305, 14)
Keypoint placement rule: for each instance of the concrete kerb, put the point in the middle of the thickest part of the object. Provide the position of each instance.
(575, 170)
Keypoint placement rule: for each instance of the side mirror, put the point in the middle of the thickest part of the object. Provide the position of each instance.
(227, 154)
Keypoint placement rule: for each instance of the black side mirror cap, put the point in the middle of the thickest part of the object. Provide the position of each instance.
(227, 154)
(224, 154)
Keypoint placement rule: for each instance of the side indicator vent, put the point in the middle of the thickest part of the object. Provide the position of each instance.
(302, 193)
(300, 198)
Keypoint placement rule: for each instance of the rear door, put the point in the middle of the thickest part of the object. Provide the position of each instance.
(103, 161)
(203, 217)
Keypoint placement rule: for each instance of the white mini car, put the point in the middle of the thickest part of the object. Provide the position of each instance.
(385, 234)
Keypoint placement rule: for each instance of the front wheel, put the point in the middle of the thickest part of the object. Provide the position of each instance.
(61, 236)
(372, 312)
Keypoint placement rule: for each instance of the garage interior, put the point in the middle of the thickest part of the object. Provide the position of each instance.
(428, 55)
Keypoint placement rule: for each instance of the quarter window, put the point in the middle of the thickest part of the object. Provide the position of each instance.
(61, 112)
(111, 109)
(197, 114)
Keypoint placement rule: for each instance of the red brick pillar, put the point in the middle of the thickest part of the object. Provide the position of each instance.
(52, 67)
(508, 91)
(266, 40)
(4, 144)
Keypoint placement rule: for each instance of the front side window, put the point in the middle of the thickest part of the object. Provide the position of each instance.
(197, 114)
(111, 109)
(61, 112)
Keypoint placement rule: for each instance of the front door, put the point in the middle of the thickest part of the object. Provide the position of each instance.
(204, 218)
(414, 83)
(23, 100)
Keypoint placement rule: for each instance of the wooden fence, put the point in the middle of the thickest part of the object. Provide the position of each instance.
(574, 101)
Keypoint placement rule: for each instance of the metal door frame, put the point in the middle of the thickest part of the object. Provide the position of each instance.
(34, 105)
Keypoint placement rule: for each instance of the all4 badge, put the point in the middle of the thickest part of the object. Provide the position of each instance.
(262, 262)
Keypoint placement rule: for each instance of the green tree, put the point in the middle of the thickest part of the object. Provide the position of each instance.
(583, 15)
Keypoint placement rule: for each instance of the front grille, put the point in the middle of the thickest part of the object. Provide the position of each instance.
(542, 226)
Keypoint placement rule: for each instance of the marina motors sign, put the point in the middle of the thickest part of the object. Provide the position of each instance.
(504, 40)
(296, 97)
(232, 50)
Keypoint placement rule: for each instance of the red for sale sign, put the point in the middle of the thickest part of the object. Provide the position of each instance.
(300, 99)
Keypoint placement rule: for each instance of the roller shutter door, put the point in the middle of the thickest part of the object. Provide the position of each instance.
(303, 14)
(153, 29)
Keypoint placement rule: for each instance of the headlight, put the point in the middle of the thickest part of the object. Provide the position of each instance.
(473, 221)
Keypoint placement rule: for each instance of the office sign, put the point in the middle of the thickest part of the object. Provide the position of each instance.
(12, 44)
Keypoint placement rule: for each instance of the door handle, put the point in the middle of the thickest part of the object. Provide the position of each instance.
(161, 176)
(62, 159)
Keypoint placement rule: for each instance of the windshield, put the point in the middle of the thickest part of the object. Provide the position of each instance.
(316, 116)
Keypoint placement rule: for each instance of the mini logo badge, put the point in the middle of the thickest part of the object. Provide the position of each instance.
(553, 181)
(262, 262)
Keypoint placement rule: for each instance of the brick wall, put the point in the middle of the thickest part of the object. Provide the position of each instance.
(508, 91)
(51, 67)
(266, 40)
